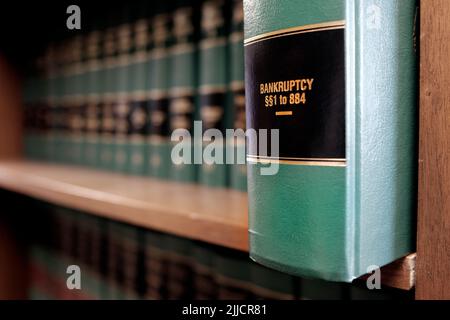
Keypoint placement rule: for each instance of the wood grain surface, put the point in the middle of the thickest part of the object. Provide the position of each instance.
(433, 256)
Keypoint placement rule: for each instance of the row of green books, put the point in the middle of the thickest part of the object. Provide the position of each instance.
(111, 95)
(120, 261)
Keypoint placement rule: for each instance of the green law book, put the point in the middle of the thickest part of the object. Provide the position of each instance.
(123, 94)
(139, 124)
(75, 120)
(89, 246)
(130, 248)
(92, 109)
(232, 275)
(40, 283)
(31, 98)
(64, 102)
(108, 95)
(47, 109)
(204, 281)
(54, 102)
(183, 81)
(115, 272)
(65, 246)
(30, 116)
(179, 268)
(238, 171)
(156, 271)
(43, 121)
(213, 77)
(158, 145)
(338, 80)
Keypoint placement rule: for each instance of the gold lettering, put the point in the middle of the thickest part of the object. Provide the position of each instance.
(295, 85)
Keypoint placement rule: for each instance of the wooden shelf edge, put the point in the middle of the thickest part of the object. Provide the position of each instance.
(195, 221)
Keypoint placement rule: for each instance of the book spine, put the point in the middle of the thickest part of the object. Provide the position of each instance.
(89, 254)
(123, 102)
(179, 272)
(182, 83)
(156, 270)
(30, 104)
(74, 116)
(204, 281)
(232, 275)
(213, 77)
(62, 106)
(238, 171)
(138, 84)
(130, 250)
(108, 114)
(44, 103)
(115, 264)
(123, 106)
(313, 74)
(93, 103)
(158, 146)
(53, 102)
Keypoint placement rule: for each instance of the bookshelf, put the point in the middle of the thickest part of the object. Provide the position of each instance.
(217, 216)
(220, 217)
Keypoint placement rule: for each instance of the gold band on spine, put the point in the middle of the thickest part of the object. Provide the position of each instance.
(321, 162)
(299, 163)
(333, 25)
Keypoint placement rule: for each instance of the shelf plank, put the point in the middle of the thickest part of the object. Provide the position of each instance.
(216, 216)
(433, 230)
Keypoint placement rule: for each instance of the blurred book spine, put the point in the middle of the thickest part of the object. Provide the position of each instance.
(139, 74)
(122, 90)
(183, 85)
(92, 110)
(238, 170)
(212, 90)
(109, 94)
(121, 261)
(158, 146)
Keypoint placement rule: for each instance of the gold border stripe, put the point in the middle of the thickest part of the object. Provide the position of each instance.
(296, 30)
(299, 163)
(297, 159)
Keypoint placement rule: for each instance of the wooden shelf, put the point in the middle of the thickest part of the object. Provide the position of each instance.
(216, 216)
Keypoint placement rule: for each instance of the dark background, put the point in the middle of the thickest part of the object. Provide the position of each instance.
(26, 27)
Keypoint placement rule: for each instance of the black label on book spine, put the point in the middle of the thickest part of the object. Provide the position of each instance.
(212, 110)
(295, 82)
(139, 117)
(181, 110)
(239, 108)
(159, 117)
